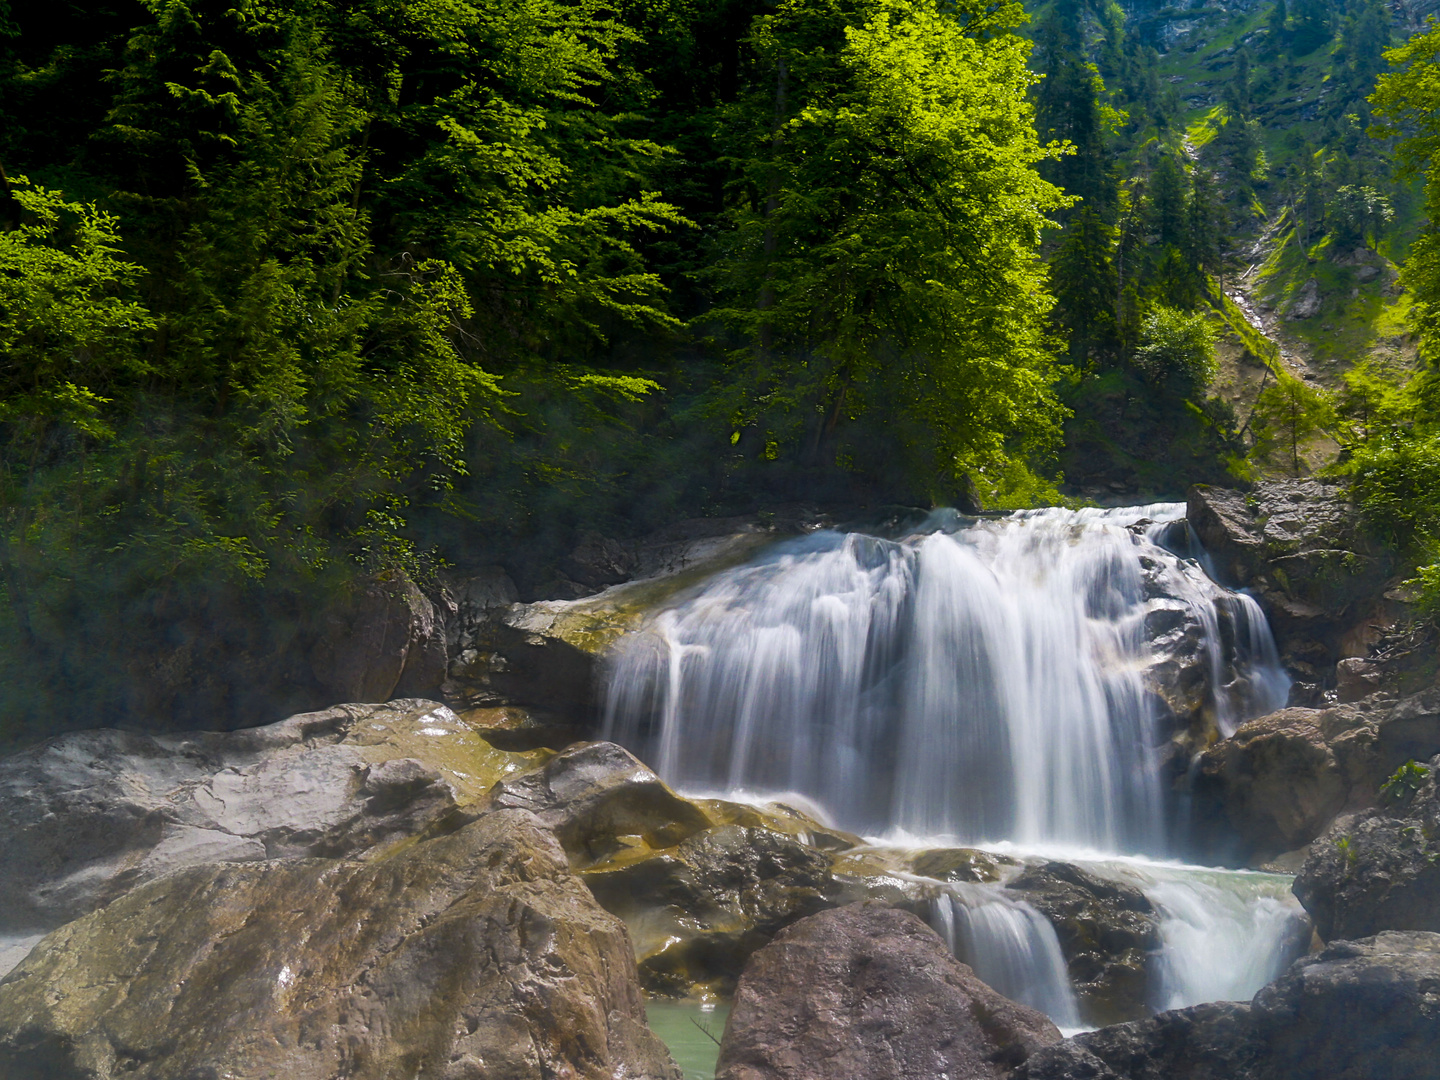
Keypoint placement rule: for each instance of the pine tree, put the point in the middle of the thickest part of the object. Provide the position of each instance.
(1082, 276)
(1167, 203)
(1310, 26)
(1275, 24)
(1068, 109)
(1205, 227)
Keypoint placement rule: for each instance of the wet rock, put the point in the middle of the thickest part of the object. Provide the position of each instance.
(511, 727)
(1379, 869)
(698, 911)
(782, 818)
(1108, 932)
(1215, 1041)
(702, 884)
(475, 954)
(1357, 1010)
(958, 864)
(90, 815)
(869, 991)
(600, 799)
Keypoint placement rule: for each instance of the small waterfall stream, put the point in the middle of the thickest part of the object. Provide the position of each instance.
(1003, 682)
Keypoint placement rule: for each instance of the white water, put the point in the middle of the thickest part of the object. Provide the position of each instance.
(980, 681)
(1010, 946)
(984, 682)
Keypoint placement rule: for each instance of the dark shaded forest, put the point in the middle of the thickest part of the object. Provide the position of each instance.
(296, 296)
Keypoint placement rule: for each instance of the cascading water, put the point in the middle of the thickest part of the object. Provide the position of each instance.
(984, 682)
(993, 682)
(1012, 944)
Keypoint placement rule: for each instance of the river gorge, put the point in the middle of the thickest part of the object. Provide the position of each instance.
(1066, 745)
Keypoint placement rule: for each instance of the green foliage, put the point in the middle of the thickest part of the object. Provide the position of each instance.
(1177, 351)
(1287, 414)
(71, 328)
(1426, 583)
(1407, 102)
(1397, 478)
(882, 259)
(1355, 213)
(1405, 782)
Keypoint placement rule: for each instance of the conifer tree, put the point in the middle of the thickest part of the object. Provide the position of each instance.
(1310, 26)
(1068, 109)
(1275, 25)
(1082, 275)
(1205, 227)
(1167, 203)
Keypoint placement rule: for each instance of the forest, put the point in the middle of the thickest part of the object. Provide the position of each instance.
(296, 295)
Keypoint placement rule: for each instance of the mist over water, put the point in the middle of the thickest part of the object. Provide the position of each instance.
(977, 682)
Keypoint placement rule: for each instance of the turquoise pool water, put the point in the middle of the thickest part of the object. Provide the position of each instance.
(682, 1026)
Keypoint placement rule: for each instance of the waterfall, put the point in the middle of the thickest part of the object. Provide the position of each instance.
(1009, 683)
(977, 680)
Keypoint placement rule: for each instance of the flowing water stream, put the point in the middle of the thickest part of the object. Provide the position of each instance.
(1006, 683)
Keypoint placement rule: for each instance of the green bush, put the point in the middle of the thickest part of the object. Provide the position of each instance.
(1177, 350)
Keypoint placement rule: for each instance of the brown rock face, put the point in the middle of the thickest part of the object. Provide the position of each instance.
(1281, 781)
(383, 641)
(473, 955)
(1283, 778)
(869, 991)
(1379, 870)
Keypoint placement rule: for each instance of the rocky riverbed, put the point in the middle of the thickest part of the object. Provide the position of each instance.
(474, 887)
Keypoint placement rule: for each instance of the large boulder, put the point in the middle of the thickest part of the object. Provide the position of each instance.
(870, 991)
(601, 799)
(1108, 932)
(477, 954)
(698, 911)
(90, 815)
(1357, 1010)
(1281, 779)
(1379, 869)
(1277, 780)
(382, 639)
(1300, 547)
(701, 883)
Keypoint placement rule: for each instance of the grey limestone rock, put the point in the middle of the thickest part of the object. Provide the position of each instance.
(90, 815)
(476, 954)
